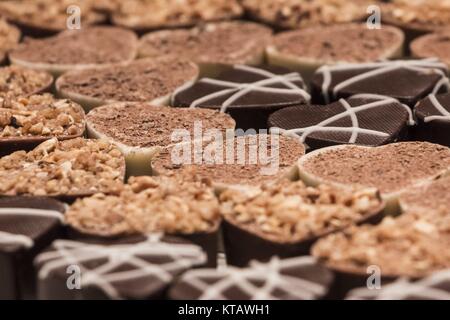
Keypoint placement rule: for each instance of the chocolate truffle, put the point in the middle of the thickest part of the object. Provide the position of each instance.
(147, 80)
(134, 269)
(362, 119)
(433, 116)
(148, 205)
(308, 49)
(212, 46)
(391, 169)
(39, 18)
(9, 38)
(234, 162)
(409, 246)
(66, 169)
(27, 226)
(27, 122)
(295, 14)
(140, 130)
(433, 45)
(77, 50)
(143, 16)
(434, 287)
(248, 94)
(17, 82)
(405, 80)
(301, 278)
(285, 218)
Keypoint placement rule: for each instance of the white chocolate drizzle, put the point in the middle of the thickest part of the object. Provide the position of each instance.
(105, 275)
(445, 114)
(268, 275)
(238, 90)
(23, 240)
(377, 68)
(434, 287)
(351, 112)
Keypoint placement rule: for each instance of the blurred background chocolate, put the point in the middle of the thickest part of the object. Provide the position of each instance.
(213, 46)
(39, 18)
(436, 44)
(27, 226)
(307, 49)
(9, 39)
(301, 278)
(77, 50)
(135, 268)
(248, 94)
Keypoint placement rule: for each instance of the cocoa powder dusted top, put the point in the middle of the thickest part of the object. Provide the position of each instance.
(157, 14)
(289, 211)
(148, 205)
(245, 160)
(40, 116)
(82, 48)
(340, 43)
(144, 125)
(414, 245)
(9, 38)
(142, 80)
(49, 15)
(17, 81)
(74, 167)
(296, 14)
(389, 168)
(225, 42)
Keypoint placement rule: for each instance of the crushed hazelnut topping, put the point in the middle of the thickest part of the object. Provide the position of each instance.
(40, 116)
(427, 15)
(289, 211)
(16, 81)
(147, 205)
(144, 14)
(69, 168)
(414, 245)
(48, 14)
(293, 14)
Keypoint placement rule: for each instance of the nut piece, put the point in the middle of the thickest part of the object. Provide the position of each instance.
(148, 205)
(18, 82)
(69, 168)
(289, 211)
(40, 116)
(413, 245)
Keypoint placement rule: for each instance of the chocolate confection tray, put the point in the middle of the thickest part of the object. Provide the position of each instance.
(347, 117)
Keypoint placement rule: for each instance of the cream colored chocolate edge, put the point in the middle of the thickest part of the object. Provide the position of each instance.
(308, 66)
(392, 208)
(57, 70)
(138, 160)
